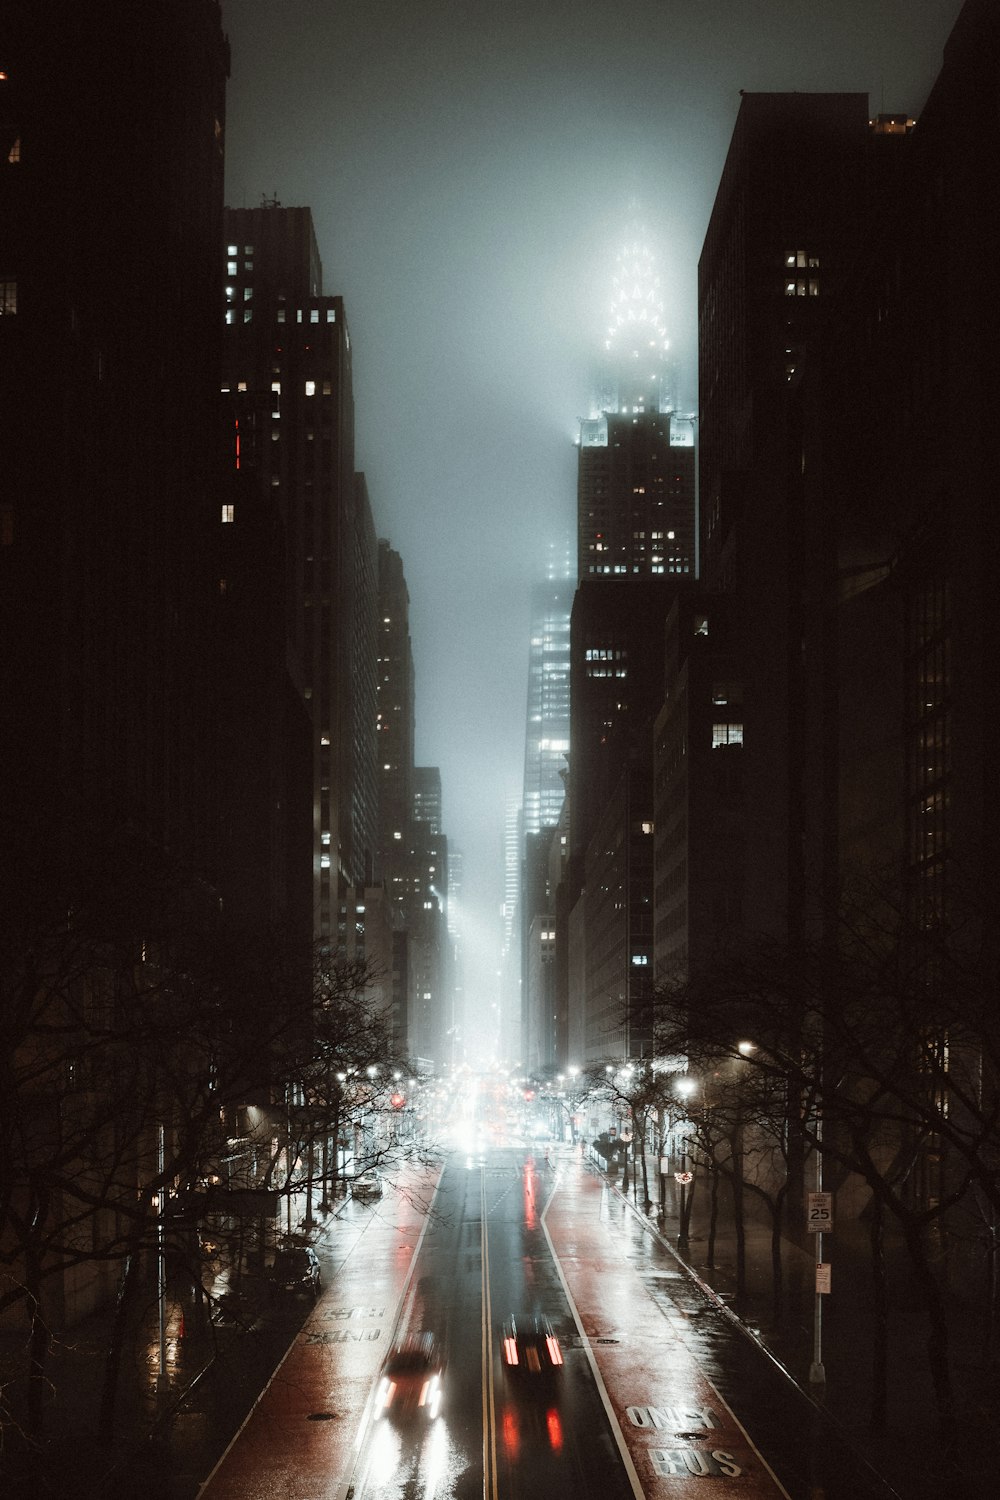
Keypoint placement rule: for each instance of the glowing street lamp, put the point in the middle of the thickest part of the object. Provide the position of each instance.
(685, 1088)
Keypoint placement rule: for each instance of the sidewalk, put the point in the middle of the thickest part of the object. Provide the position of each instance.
(907, 1450)
(70, 1460)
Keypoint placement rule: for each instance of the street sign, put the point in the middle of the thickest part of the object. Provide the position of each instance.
(683, 1178)
(823, 1276)
(819, 1213)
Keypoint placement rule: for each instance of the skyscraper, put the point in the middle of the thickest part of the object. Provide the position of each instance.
(636, 539)
(546, 739)
(290, 345)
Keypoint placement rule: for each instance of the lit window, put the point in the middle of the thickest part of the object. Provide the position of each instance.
(310, 387)
(247, 293)
(229, 316)
(281, 314)
(276, 386)
(14, 154)
(324, 861)
(231, 250)
(327, 388)
(228, 513)
(248, 315)
(324, 838)
(8, 297)
(230, 294)
(331, 315)
(726, 734)
(314, 315)
(231, 268)
(241, 385)
(247, 249)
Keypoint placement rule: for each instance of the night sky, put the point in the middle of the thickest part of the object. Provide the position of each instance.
(468, 166)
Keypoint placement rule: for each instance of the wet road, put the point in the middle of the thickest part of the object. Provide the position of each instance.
(659, 1395)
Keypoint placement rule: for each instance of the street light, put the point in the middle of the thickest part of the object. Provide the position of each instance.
(685, 1088)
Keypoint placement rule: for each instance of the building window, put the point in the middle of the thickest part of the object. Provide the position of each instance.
(281, 314)
(331, 315)
(8, 297)
(314, 315)
(248, 315)
(228, 513)
(247, 293)
(231, 268)
(310, 387)
(726, 734)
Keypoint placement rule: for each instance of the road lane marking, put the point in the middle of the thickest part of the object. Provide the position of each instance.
(490, 1483)
(616, 1430)
(666, 1463)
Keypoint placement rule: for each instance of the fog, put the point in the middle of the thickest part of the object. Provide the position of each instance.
(468, 166)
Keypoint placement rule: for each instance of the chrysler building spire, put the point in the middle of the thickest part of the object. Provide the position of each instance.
(637, 373)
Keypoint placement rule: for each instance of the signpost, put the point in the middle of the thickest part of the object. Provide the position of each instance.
(819, 1213)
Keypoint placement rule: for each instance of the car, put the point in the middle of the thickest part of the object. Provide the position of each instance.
(295, 1269)
(410, 1386)
(366, 1186)
(530, 1347)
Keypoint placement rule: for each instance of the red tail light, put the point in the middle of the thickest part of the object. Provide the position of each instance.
(555, 1353)
(510, 1351)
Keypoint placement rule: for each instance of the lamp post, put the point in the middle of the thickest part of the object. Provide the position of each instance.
(685, 1088)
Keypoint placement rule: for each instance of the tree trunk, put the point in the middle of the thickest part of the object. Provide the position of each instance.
(741, 1229)
(777, 1267)
(713, 1214)
(113, 1359)
(937, 1353)
(38, 1350)
(880, 1345)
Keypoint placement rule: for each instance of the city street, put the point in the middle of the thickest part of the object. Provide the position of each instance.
(658, 1393)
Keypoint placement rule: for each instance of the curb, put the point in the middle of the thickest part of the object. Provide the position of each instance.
(751, 1334)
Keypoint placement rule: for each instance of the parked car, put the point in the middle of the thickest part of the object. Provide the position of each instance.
(530, 1347)
(367, 1185)
(410, 1387)
(294, 1270)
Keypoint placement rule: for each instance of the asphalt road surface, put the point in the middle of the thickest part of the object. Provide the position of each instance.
(659, 1394)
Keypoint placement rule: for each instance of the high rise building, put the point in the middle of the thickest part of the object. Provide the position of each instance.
(636, 496)
(784, 236)
(637, 372)
(636, 548)
(109, 424)
(289, 344)
(546, 739)
(395, 713)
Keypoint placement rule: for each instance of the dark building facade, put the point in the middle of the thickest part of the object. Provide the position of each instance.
(785, 230)
(109, 418)
(616, 689)
(636, 496)
(289, 345)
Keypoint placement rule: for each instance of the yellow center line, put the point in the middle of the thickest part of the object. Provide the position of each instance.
(489, 1398)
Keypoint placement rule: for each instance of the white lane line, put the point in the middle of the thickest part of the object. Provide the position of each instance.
(619, 1436)
(490, 1481)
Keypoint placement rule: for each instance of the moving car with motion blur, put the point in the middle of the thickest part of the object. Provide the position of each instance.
(410, 1387)
(530, 1347)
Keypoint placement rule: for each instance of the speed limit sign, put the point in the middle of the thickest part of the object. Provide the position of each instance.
(819, 1218)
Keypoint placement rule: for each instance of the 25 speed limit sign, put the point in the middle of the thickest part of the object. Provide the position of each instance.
(819, 1213)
